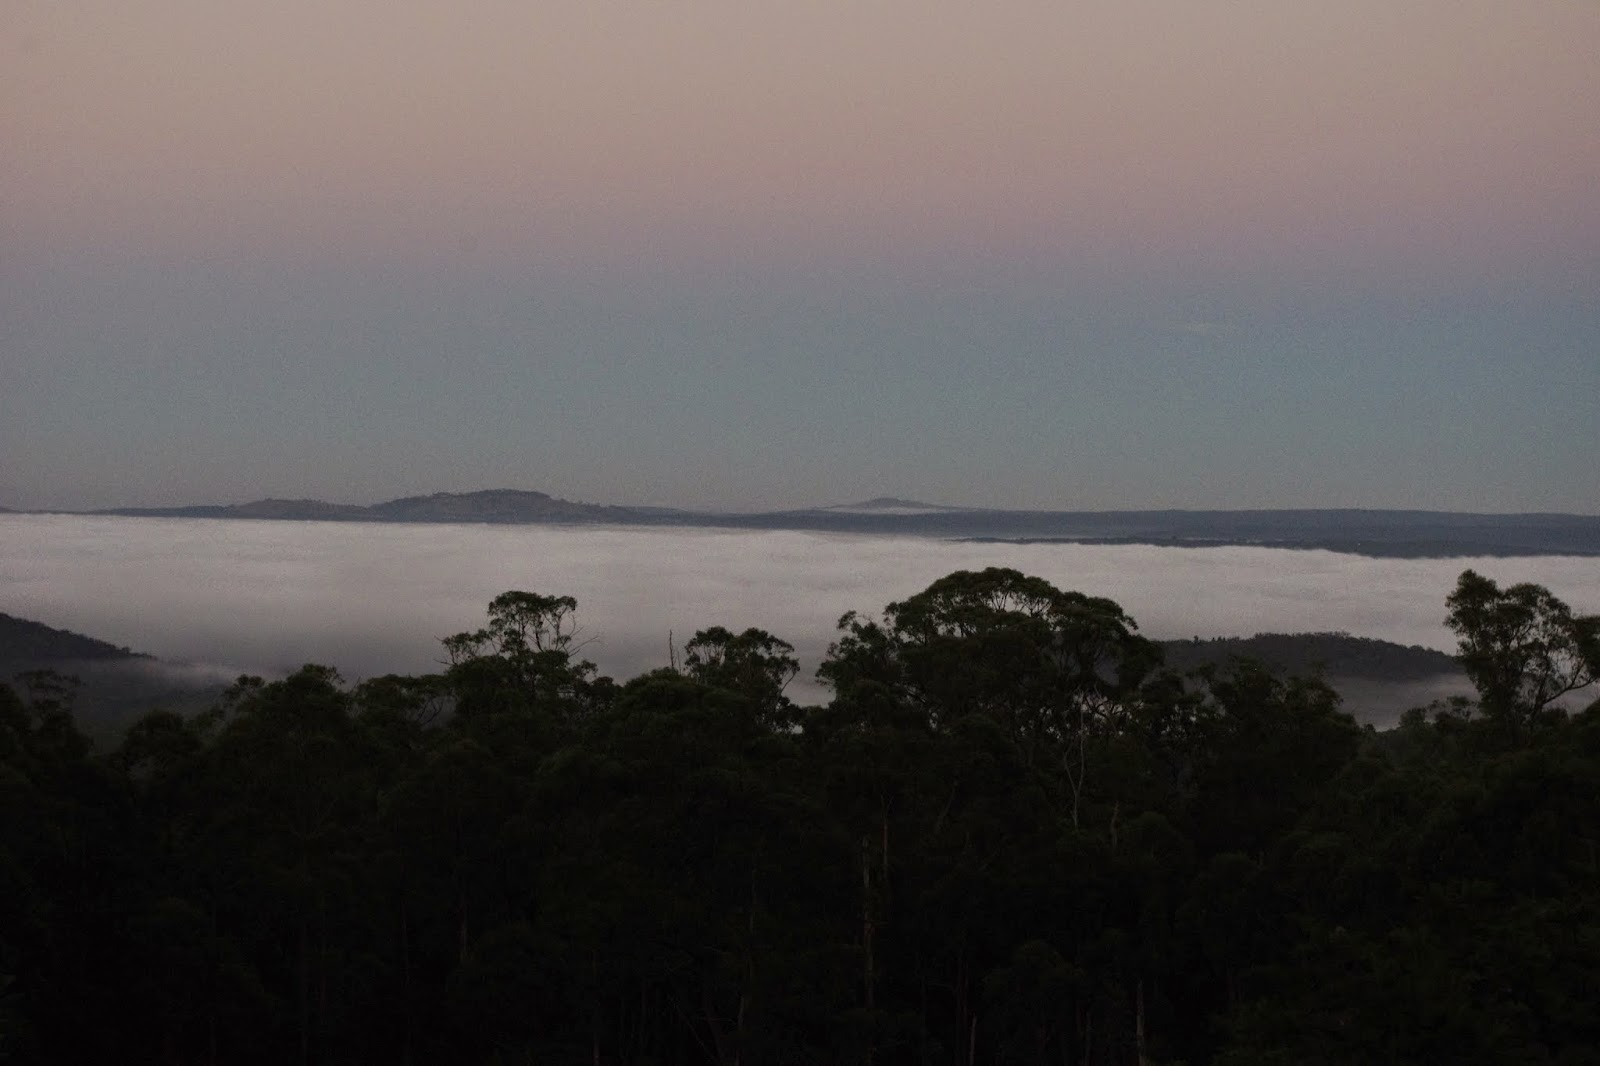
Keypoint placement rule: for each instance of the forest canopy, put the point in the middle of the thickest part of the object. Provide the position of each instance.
(1014, 834)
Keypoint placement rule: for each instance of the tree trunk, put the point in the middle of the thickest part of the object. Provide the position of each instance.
(303, 980)
(594, 1011)
(1138, 1023)
(868, 976)
(214, 964)
(405, 986)
(726, 1052)
(963, 1008)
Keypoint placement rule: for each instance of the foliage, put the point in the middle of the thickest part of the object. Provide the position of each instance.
(1523, 648)
(1011, 836)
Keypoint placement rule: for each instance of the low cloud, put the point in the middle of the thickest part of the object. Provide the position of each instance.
(265, 597)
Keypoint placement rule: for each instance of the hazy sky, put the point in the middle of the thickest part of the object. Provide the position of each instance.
(1044, 254)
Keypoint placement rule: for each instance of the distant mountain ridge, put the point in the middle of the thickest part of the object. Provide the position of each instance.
(489, 505)
(497, 505)
(1394, 534)
(36, 644)
(891, 505)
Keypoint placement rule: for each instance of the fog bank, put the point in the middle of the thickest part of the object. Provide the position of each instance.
(264, 597)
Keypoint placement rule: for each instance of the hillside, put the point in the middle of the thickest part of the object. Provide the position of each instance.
(114, 684)
(1377, 680)
(1376, 533)
(28, 642)
(886, 505)
(1336, 654)
(488, 505)
(496, 505)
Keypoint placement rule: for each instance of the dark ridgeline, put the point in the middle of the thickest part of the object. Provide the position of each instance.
(1304, 654)
(109, 685)
(1013, 836)
(27, 644)
(1397, 534)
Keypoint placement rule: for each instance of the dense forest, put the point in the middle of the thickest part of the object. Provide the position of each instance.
(1014, 835)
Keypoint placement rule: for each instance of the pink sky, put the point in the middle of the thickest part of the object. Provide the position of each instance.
(1448, 131)
(741, 253)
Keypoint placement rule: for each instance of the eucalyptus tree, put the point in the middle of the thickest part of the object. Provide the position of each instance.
(525, 659)
(987, 719)
(1522, 647)
(754, 663)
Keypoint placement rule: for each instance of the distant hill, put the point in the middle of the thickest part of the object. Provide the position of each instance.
(1379, 680)
(497, 505)
(301, 509)
(24, 641)
(1305, 653)
(1391, 534)
(115, 685)
(890, 505)
(489, 505)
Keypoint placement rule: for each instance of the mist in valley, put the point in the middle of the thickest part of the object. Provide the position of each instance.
(264, 597)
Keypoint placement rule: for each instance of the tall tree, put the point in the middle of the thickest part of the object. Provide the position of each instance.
(1522, 647)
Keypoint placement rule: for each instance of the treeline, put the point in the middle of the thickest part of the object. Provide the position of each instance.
(1012, 836)
(1308, 654)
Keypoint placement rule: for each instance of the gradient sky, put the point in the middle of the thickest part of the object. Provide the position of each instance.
(750, 254)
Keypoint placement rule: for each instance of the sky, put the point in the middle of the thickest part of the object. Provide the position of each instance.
(742, 254)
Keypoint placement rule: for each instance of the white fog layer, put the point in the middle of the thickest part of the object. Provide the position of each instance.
(265, 597)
